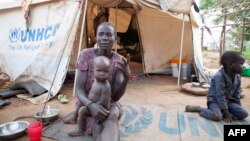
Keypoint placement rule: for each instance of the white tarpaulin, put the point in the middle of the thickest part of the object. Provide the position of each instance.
(42, 51)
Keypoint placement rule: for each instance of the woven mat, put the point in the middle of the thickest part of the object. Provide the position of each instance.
(58, 131)
(152, 122)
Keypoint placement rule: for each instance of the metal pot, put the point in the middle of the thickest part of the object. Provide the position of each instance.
(13, 130)
(47, 118)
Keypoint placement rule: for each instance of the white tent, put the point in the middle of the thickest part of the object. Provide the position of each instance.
(162, 34)
(47, 47)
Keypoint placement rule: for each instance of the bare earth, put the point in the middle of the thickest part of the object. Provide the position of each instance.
(156, 89)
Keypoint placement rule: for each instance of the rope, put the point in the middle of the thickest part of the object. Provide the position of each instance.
(47, 99)
(107, 3)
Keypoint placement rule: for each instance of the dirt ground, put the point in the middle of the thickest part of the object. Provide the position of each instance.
(156, 89)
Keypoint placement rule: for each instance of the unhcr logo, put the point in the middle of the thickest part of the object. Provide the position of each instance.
(33, 35)
(14, 34)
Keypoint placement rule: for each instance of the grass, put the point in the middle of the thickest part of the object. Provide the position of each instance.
(246, 54)
(205, 53)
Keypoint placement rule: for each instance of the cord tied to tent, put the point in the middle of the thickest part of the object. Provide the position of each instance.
(27, 13)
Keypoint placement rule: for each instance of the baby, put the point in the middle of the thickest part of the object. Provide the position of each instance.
(100, 93)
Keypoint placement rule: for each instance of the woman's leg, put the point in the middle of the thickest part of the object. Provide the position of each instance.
(81, 122)
(73, 119)
(96, 131)
(237, 111)
(110, 130)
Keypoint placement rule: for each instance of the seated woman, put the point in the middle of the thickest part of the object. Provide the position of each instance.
(118, 78)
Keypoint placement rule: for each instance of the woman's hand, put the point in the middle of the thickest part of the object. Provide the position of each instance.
(125, 70)
(98, 111)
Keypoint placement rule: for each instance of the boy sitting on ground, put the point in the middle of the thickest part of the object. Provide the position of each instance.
(223, 98)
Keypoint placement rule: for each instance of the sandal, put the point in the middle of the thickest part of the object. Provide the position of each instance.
(63, 98)
(4, 103)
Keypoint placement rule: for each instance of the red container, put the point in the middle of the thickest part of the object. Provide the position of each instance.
(35, 131)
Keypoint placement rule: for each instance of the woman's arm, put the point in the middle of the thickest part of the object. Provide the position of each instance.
(119, 86)
(80, 87)
(120, 81)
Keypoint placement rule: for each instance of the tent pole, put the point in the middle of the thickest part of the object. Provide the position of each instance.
(81, 36)
(181, 46)
(140, 41)
(116, 28)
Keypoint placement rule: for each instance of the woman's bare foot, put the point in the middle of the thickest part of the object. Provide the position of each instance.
(69, 121)
(190, 108)
(76, 133)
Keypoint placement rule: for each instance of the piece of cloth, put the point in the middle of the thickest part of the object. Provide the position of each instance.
(90, 120)
(214, 111)
(31, 86)
(224, 89)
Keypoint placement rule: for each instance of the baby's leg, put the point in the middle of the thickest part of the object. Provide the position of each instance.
(81, 122)
(96, 131)
(105, 98)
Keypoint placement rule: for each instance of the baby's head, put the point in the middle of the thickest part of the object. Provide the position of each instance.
(232, 62)
(101, 68)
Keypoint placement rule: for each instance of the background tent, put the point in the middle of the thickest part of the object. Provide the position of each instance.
(36, 42)
(45, 46)
(158, 25)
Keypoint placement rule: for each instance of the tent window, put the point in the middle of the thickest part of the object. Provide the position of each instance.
(129, 41)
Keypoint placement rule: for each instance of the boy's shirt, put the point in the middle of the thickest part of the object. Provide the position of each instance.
(224, 89)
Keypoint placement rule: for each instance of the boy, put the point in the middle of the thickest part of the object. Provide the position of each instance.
(100, 93)
(223, 98)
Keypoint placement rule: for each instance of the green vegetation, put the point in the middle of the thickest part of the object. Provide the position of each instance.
(205, 54)
(246, 54)
(246, 49)
(231, 11)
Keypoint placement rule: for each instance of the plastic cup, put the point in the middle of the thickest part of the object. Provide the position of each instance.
(35, 131)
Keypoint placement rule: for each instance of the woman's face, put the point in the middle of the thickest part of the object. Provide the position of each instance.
(105, 37)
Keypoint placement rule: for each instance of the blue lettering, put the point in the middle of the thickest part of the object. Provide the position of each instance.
(23, 35)
(32, 34)
(130, 115)
(163, 124)
(48, 32)
(207, 126)
(39, 35)
(55, 29)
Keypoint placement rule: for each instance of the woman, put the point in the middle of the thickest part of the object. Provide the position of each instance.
(119, 75)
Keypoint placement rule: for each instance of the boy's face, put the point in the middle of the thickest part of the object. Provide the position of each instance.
(237, 67)
(105, 37)
(101, 72)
